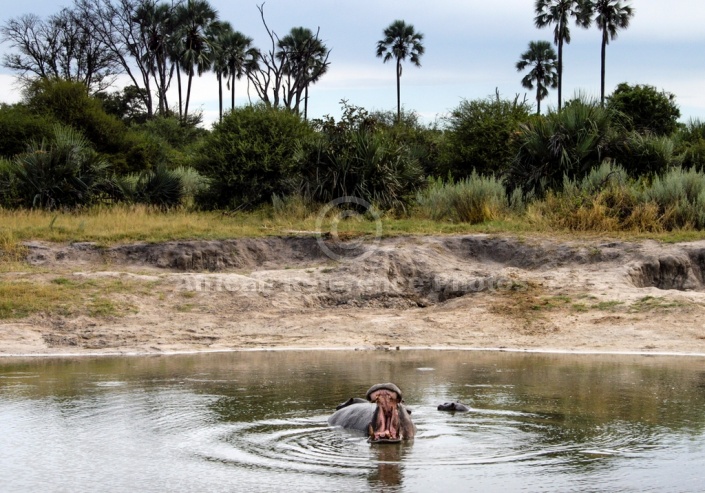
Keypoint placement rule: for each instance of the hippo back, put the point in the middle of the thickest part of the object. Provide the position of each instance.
(355, 416)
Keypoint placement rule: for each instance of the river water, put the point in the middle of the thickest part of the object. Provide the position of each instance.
(256, 421)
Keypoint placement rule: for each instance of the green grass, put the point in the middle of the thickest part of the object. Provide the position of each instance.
(62, 296)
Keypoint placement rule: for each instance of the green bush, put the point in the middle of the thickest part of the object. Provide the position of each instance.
(160, 187)
(690, 145)
(250, 156)
(69, 103)
(19, 126)
(647, 110)
(425, 142)
(62, 173)
(473, 200)
(478, 136)
(562, 144)
(357, 156)
(8, 185)
(646, 154)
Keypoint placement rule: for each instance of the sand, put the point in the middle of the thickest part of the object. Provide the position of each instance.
(470, 292)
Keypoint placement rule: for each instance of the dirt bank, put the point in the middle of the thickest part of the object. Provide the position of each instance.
(465, 291)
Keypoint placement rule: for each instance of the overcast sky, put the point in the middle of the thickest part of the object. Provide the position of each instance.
(472, 47)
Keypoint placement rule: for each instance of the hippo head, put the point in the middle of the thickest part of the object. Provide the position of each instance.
(391, 421)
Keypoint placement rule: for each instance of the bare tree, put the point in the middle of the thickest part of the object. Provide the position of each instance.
(116, 24)
(60, 47)
(283, 73)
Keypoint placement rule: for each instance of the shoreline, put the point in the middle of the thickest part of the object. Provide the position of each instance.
(196, 352)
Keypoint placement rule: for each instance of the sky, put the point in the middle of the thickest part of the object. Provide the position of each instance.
(472, 47)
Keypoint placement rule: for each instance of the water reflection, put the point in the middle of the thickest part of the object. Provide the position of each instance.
(536, 422)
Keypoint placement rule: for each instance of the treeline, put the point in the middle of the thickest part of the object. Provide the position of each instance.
(161, 44)
(626, 162)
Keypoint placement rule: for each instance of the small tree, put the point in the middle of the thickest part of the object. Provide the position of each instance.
(648, 110)
(478, 136)
(250, 156)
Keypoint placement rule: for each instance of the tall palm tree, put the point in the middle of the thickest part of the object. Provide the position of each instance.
(559, 12)
(610, 17)
(233, 57)
(400, 41)
(156, 25)
(542, 58)
(305, 60)
(241, 57)
(194, 18)
(216, 33)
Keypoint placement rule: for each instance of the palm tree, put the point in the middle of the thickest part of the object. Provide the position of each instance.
(194, 18)
(305, 60)
(559, 12)
(542, 58)
(217, 32)
(233, 56)
(610, 16)
(241, 57)
(400, 41)
(156, 22)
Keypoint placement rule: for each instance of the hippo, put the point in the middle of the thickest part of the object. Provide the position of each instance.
(349, 402)
(453, 406)
(383, 416)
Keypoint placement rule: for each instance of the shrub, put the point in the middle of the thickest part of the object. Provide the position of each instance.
(19, 127)
(249, 156)
(647, 110)
(473, 200)
(160, 187)
(63, 173)
(360, 162)
(641, 154)
(478, 136)
(680, 197)
(690, 144)
(565, 144)
(8, 185)
(606, 199)
(69, 103)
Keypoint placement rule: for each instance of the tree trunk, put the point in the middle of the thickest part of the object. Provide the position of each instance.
(178, 82)
(232, 88)
(398, 90)
(306, 105)
(538, 98)
(220, 97)
(560, 73)
(188, 93)
(602, 67)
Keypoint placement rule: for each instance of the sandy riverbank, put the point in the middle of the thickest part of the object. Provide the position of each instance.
(463, 291)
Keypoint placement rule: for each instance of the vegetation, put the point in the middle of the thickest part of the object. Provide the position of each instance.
(648, 110)
(479, 137)
(74, 157)
(250, 156)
